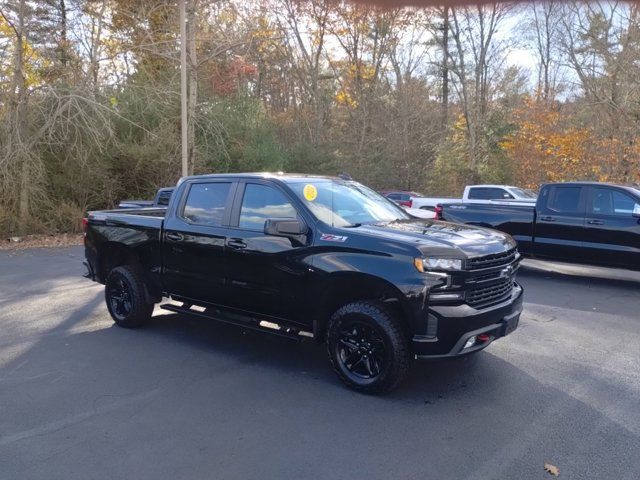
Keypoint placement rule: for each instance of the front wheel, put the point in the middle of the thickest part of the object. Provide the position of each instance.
(368, 347)
(125, 296)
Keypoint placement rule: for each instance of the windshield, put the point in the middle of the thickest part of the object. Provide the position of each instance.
(524, 193)
(342, 203)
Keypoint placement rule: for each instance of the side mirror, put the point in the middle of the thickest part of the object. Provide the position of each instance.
(284, 227)
(636, 211)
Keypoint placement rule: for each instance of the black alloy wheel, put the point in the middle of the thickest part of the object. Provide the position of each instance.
(119, 297)
(368, 346)
(361, 351)
(126, 296)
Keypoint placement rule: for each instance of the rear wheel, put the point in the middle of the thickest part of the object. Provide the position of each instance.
(368, 347)
(125, 297)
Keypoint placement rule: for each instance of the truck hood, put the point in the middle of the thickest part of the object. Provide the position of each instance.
(434, 237)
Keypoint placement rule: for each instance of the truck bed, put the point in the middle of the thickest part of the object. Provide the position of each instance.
(139, 229)
(129, 215)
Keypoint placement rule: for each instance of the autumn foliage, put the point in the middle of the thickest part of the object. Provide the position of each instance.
(229, 77)
(548, 145)
(417, 99)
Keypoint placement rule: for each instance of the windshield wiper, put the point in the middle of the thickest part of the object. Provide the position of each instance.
(353, 225)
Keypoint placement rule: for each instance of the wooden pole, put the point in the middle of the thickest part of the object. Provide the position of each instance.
(183, 89)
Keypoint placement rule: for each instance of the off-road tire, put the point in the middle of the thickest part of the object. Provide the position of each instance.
(139, 309)
(392, 332)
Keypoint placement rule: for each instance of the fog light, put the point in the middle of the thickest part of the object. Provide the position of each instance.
(470, 343)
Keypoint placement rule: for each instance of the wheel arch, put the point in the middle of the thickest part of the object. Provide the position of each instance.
(114, 254)
(342, 288)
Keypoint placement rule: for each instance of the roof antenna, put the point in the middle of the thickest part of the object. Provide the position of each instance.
(344, 176)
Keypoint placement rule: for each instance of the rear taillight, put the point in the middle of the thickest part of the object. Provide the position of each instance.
(410, 203)
(85, 226)
(438, 212)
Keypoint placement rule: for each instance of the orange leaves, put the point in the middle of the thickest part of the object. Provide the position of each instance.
(548, 146)
(229, 77)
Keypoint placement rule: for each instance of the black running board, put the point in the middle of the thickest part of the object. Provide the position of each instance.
(249, 323)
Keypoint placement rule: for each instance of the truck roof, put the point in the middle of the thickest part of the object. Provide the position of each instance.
(633, 188)
(285, 177)
(588, 182)
(489, 185)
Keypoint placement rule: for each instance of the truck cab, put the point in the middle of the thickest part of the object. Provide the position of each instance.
(497, 192)
(480, 194)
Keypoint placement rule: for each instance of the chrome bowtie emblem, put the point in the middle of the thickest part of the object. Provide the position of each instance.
(506, 272)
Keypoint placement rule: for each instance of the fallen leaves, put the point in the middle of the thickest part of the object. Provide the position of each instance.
(552, 469)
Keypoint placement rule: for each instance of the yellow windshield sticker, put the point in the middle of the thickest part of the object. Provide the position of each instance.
(310, 192)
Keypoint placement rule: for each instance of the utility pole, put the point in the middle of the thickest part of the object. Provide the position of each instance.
(445, 67)
(183, 89)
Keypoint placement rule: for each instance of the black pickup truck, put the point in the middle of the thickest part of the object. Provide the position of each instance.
(587, 222)
(311, 257)
(161, 199)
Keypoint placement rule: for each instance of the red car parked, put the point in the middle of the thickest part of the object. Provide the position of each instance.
(401, 197)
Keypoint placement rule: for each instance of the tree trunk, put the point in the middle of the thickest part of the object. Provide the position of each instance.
(445, 68)
(19, 123)
(63, 45)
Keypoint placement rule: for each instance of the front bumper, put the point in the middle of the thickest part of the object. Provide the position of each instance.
(458, 323)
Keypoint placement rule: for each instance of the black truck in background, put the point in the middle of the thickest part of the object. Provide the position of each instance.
(586, 222)
(304, 256)
(161, 199)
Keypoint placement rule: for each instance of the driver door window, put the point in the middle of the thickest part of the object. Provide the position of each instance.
(607, 201)
(260, 203)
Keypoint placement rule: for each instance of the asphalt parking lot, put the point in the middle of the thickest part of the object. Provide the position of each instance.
(185, 398)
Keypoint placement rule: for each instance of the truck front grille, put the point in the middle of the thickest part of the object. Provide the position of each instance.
(490, 294)
(494, 260)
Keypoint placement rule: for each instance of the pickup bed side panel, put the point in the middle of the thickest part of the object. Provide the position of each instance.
(115, 238)
(516, 220)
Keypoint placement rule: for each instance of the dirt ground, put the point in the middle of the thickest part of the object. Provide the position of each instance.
(41, 241)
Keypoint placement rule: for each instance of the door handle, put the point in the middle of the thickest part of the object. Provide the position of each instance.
(174, 237)
(595, 222)
(236, 243)
(548, 219)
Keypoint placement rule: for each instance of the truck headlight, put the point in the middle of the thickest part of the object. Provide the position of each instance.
(437, 263)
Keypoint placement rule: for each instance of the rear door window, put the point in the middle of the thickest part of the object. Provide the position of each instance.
(488, 193)
(206, 202)
(564, 200)
(478, 194)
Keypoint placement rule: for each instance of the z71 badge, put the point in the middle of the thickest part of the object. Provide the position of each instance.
(333, 238)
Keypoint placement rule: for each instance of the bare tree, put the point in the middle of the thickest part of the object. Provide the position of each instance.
(542, 25)
(303, 28)
(602, 44)
(17, 162)
(476, 61)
